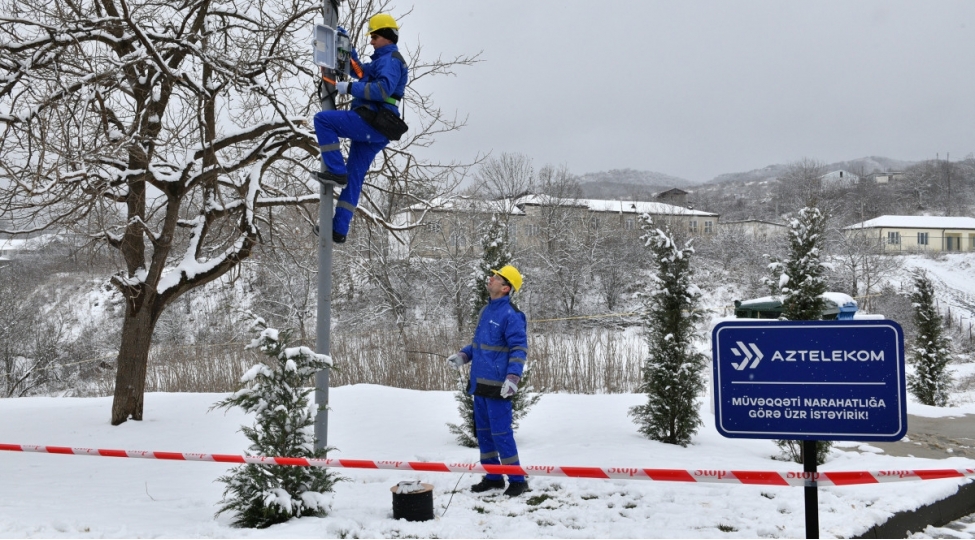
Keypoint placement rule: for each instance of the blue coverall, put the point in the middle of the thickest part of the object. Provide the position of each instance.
(499, 348)
(385, 77)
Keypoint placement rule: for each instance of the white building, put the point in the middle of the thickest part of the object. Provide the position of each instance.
(919, 233)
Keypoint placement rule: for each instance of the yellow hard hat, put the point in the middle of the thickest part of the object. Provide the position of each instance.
(511, 274)
(382, 20)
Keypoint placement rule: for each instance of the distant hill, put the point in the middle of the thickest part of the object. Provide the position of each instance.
(869, 164)
(749, 194)
(628, 184)
(756, 184)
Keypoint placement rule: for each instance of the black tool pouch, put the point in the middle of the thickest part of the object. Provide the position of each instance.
(488, 391)
(384, 121)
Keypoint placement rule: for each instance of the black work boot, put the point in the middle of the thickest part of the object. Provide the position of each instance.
(328, 177)
(487, 485)
(338, 238)
(516, 488)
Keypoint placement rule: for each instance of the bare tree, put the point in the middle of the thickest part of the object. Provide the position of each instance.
(801, 185)
(505, 178)
(167, 132)
(567, 232)
(617, 260)
(863, 265)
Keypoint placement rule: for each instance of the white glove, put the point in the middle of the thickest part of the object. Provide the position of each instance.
(457, 360)
(510, 386)
(342, 87)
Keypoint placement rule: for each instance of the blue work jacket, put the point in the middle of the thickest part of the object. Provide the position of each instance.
(386, 76)
(499, 348)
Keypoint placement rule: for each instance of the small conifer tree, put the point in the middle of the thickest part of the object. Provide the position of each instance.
(931, 353)
(496, 253)
(672, 374)
(805, 271)
(465, 432)
(263, 495)
(802, 283)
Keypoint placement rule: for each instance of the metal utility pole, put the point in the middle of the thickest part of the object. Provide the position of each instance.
(325, 208)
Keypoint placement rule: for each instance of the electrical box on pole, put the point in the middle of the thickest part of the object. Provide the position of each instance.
(331, 50)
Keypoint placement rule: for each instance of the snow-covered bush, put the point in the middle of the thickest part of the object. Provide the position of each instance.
(263, 495)
(672, 376)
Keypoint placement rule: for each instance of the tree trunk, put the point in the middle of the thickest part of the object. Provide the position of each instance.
(133, 358)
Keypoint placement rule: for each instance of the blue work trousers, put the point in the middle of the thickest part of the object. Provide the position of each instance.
(492, 419)
(366, 143)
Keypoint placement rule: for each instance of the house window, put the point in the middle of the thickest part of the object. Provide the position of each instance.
(512, 231)
(593, 223)
(628, 225)
(893, 237)
(693, 224)
(922, 238)
(436, 226)
(458, 240)
(708, 227)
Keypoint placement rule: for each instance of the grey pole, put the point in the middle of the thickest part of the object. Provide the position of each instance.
(324, 321)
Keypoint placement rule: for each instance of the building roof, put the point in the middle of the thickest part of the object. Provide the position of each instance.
(593, 205)
(619, 207)
(753, 221)
(916, 222)
(466, 204)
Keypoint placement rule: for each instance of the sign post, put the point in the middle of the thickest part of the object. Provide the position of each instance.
(810, 381)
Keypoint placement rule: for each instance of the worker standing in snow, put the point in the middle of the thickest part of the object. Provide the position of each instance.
(497, 355)
(367, 123)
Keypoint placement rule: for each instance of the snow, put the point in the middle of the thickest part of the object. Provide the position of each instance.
(916, 222)
(840, 299)
(73, 496)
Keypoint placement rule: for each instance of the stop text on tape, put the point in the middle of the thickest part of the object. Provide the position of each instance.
(764, 478)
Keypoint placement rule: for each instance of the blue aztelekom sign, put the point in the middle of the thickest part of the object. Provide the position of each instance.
(813, 380)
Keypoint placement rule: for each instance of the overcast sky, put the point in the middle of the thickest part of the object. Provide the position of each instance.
(695, 89)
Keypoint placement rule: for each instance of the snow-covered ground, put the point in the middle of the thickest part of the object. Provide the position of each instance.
(47, 495)
(71, 496)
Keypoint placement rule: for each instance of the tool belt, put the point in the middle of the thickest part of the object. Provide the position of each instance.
(385, 121)
(489, 391)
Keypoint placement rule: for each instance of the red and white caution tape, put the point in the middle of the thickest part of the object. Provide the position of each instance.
(762, 478)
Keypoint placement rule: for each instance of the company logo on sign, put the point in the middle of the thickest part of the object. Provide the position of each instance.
(742, 350)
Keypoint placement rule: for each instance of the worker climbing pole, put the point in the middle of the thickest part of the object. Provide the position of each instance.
(372, 121)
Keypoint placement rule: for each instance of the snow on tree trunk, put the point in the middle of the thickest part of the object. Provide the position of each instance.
(276, 392)
(672, 374)
(931, 353)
